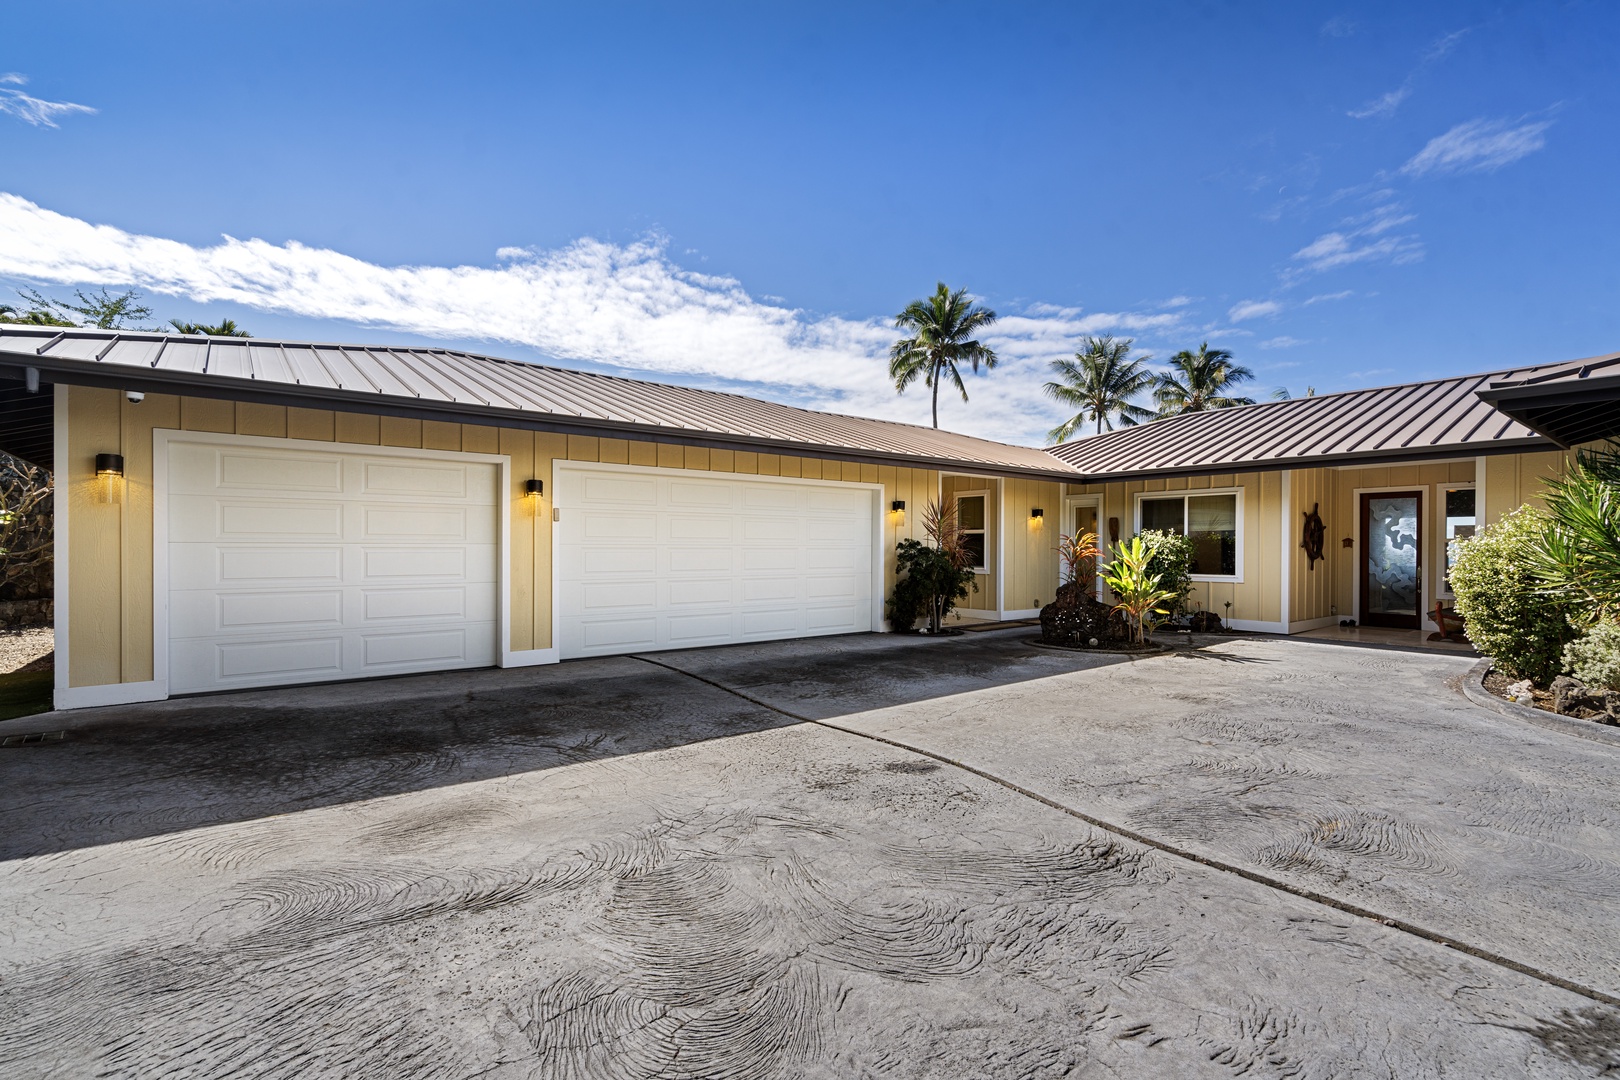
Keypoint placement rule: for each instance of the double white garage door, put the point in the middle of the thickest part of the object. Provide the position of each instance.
(291, 565)
(670, 559)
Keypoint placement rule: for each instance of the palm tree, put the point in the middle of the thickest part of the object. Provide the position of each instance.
(942, 329)
(1100, 382)
(226, 328)
(1282, 393)
(1197, 382)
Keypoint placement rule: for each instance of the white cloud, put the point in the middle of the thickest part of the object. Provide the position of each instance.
(1478, 146)
(1339, 26)
(1360, 239)
(30, 109)
(1176, 302)
(1283, 342)
(1382, 106)
(595, 303)
(1253, 309)
(1322, 298)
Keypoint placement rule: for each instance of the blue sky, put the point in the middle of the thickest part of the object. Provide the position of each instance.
(742, 195)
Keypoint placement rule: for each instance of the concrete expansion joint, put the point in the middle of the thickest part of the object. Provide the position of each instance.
(1404, 926)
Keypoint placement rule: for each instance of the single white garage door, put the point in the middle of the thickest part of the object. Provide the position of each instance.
(292, 566)
(669, 560)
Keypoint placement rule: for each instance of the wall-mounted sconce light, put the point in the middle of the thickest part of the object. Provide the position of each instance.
(898, 506)
(109, 477)
(534, 489)
(1037, 514)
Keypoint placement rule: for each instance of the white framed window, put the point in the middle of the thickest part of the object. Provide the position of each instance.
(1459, 508)
(1212, 519)
(971, 514)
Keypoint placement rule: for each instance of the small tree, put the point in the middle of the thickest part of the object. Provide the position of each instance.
(102, 310)
(941, 341)
(1137, 591)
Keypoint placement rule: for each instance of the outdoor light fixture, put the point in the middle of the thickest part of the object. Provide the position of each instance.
(534, 488)
(898, 506)
(109, 477)
(1037, 513)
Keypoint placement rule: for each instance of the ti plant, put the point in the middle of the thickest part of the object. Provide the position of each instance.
(1079, 557)
(1138, 592)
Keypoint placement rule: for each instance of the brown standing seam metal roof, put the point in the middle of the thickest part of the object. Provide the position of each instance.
(1440, 418)
(1570, 403)
(451, 385)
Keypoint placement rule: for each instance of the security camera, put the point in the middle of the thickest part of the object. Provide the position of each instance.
(134, 397)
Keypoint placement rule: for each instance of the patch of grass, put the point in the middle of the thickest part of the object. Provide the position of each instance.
(24, 693)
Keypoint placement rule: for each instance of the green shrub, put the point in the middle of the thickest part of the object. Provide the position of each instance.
(1594, 657)
(932, 582)
(1511, 618)
(1169, 558)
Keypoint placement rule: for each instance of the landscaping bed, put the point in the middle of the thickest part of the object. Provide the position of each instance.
(1582, 707)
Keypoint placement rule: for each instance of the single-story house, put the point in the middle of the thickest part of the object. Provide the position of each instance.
(237, 513)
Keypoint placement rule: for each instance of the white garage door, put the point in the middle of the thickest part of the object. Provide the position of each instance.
(666, 560)
(291, 566)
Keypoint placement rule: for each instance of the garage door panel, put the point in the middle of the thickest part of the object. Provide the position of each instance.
(436, 648)
(784, 530)
(838, 619)
(394, 605)
(769, 590)
(693, 630)
(699, 560)
(831, 558)
(621, 635)
(416, 563)
(622, 561)
(826, 588)
(781, 622)
(413, 479)
(393, 522)
(606, 526)
(772, 497)
(603, 596)
(633, 491)
(241, 519)
(279, 610)
(770, 560)
(854, 503)
(685, 493)
(292, 566)
(258, 470)
(707, 528)
(687, 593)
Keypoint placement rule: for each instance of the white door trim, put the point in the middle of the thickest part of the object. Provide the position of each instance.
(879, 522)
(1070, 504)
(162, 438)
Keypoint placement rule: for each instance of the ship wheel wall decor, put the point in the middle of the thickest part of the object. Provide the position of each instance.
(1315, 533)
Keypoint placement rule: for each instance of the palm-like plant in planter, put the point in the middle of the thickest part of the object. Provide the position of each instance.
(1138, 592)
(1078, 555)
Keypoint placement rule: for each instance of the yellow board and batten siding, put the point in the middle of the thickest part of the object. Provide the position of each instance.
(1257, 598)
(110, 555)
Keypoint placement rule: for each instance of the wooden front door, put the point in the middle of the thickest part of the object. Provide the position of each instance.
(1392, 559)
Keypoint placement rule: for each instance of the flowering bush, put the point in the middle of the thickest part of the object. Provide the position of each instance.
(1511, 618)
(1169, 558)
(1594, 657)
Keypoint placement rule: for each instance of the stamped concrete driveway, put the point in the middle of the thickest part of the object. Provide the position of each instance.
(855, 857)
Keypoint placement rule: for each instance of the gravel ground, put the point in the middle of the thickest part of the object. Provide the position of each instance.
(21, 649)
(710, 866)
